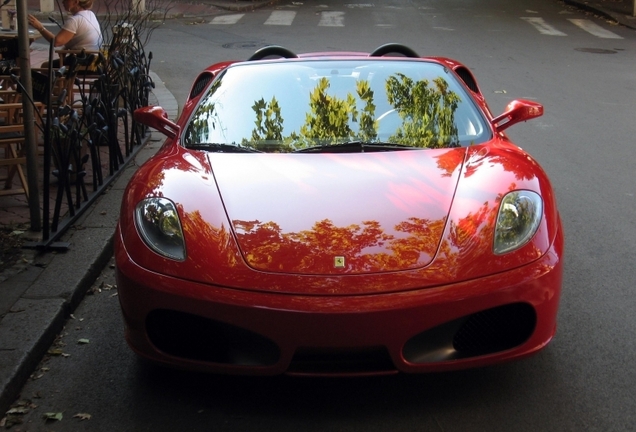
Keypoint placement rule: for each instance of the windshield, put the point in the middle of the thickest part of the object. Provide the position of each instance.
(302, 105)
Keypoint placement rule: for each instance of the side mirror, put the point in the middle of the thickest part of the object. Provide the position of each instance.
(517, 111)
(157, 118)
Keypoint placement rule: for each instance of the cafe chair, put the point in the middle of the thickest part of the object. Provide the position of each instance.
(12, 148)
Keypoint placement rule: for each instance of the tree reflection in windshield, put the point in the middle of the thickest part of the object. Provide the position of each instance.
(427, 116)
(338, 107)
(427, 113)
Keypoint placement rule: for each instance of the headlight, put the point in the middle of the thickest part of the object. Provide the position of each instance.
(158, 224)
(519, 216)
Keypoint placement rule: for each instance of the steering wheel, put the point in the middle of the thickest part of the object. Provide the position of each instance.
(272, 50)
(393, 48)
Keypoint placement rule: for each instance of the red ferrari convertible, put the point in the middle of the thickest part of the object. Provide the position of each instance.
(338, 213)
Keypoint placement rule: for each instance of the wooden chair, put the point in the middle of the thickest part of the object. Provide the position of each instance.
(87, 70)
(12, 147)
(11, 143)
(10, 96)
(61, 84)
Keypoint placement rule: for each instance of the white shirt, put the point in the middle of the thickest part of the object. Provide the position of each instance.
(85, 27)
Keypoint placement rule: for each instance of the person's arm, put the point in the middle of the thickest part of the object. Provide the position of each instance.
(58, 40)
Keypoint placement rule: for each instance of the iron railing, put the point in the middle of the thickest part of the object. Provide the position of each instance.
(88, 130)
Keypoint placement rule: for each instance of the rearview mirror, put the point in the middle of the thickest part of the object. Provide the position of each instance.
(517, 111)
(157, 118)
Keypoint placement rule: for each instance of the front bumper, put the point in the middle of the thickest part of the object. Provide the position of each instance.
(217, 329)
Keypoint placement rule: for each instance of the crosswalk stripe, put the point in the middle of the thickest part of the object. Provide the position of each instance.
(543, 27)
(336, 19)
(594, 29)
(281, 18)
(227, 19)
(331, 19)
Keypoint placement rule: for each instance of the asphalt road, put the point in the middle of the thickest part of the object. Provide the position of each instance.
(583, 381)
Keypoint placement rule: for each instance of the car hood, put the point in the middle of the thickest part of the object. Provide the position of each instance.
(334, 214)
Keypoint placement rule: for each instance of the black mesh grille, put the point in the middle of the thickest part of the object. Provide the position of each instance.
(200, 84)
(341, 361)
(467, 77)
(495, 330)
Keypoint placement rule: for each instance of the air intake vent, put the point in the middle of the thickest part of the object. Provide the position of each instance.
(200, 84)
(468, 78)
(495, 329)
(485, 332)
(196, 338)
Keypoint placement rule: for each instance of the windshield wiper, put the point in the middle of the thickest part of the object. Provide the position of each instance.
(221, 148)
(361, 146)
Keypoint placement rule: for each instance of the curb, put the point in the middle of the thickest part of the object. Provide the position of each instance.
(622, 19)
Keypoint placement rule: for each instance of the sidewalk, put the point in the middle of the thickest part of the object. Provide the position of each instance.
(619, 11)
(38, 294)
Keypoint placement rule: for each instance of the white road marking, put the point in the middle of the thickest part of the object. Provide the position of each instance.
(336, 19)
(281, 18)
(227, 19)
(331, 19)
(594, 29)
(543, 27)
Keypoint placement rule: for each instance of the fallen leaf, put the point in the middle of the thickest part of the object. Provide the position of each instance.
(55, 352)
(53, 416)
(82, 416)
(18, 410)
(83, 341)
(11, 420)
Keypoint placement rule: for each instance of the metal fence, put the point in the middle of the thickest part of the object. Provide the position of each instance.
(88, 130)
